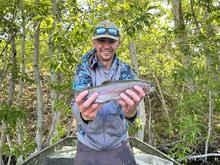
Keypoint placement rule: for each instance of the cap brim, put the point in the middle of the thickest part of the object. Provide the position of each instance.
(105, 36)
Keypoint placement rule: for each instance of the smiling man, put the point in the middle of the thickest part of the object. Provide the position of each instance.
(103, 128)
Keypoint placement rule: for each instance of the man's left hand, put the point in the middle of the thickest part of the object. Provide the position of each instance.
(130, 99)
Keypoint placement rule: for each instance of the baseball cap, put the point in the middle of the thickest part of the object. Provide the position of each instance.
(106, 29)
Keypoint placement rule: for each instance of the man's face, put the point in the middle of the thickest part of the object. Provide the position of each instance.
(105, 48)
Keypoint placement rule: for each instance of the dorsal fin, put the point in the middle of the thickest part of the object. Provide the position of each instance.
(106, 82)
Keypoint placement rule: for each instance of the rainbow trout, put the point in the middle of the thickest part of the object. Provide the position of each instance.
(111, 90)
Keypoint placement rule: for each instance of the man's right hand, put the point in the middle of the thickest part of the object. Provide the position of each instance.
(87, 107)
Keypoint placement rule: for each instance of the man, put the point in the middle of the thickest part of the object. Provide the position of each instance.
(102, 130)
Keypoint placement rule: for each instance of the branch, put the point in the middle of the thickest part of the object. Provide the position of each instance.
(150, 134)
(10, 148)
(194, 16)
(2, 140)
(8, 42)
(203, 156)
(163, 101)
(209, 123)
(70, 122)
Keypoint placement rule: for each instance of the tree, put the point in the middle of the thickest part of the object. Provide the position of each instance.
(54, 92)
(21, 82)
(39, 108)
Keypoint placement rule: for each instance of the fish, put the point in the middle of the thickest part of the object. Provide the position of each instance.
(111, 90)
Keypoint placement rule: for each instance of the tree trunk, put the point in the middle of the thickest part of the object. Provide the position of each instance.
(2, 141)
(180, 31)
(133, 53)
(212, 56)
(11, 89)
(53, 76)
(21, 81)
(181, 40)
(39, 106)
(3, 129)
(2, 72)
(134, 61)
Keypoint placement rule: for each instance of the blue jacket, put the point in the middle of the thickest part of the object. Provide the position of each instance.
(110, 127)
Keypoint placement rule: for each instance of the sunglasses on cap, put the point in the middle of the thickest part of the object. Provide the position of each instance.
(110, 31)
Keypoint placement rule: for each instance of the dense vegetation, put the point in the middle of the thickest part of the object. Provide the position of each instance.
(174, 44)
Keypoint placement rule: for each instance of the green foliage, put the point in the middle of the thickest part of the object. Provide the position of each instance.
(180, 151)
(133, 128)
(10, 114)
(65, 113)
(61, 133)
(18, 150)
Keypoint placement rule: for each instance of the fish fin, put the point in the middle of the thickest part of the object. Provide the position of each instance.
(106, 82)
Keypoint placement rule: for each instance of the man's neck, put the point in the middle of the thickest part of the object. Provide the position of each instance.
(107, 64)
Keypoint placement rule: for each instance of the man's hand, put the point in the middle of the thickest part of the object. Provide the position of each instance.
(130, 99)
(87, 107)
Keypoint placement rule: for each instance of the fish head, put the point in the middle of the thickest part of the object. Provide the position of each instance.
(148, 87)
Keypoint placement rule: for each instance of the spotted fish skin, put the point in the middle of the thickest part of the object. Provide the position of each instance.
(111, 90)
